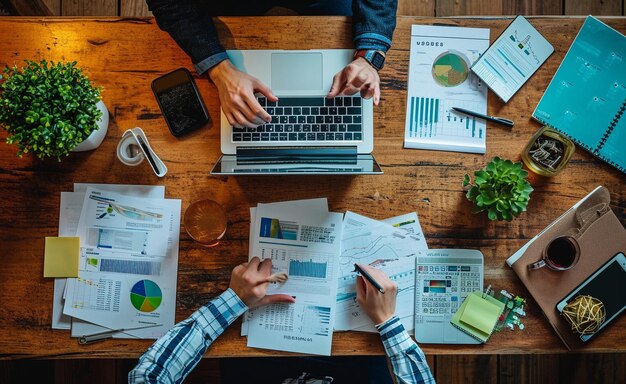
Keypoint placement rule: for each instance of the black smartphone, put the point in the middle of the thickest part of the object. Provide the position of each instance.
(605, 284)
(180, 102)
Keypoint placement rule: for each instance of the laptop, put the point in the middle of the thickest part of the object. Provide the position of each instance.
(443, 279)
(308, 134)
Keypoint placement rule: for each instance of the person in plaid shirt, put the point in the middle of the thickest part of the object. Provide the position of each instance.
(172, 357)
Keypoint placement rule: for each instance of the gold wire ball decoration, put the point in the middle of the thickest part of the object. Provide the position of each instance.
(585, 314)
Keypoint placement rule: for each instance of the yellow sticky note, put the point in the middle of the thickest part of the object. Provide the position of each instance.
(61, 257)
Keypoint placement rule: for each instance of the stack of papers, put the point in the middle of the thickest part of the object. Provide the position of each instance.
(127, 263)
(318, 250)
(303, 240)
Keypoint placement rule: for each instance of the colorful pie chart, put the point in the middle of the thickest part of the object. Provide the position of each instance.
(146, 296)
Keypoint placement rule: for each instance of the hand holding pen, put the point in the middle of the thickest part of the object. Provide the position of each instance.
(378, 304)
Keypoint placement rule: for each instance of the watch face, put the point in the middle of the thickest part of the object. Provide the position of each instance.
(378, 60)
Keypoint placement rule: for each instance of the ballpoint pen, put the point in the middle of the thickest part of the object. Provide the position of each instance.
(92, 338)
(369, 278)
(495, 119)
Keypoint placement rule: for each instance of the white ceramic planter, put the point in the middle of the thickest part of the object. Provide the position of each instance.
(95, 139)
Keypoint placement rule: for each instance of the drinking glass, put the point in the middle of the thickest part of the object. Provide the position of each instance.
(205, 222)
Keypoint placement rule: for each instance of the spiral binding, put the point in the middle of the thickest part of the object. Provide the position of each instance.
(611, 127)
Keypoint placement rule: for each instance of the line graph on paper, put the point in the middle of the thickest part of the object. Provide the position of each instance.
(402, 271)
(368, 247)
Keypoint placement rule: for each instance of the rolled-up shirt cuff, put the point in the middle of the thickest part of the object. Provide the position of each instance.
(394, 337)
(372, 40)
(210, 62)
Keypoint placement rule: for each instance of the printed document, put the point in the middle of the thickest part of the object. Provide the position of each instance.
(439, 79)
(69, 214)
(128, 264)
(390, 246)
(308, 206)
(305, 244)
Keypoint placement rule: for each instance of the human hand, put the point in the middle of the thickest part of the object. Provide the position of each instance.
(250, 280)
(378, 306)
(236, 90)
(357, 76)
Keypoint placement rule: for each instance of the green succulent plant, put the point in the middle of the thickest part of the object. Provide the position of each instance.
(48, 108)
(500, 189)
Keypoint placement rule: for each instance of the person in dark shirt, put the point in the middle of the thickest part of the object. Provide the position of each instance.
(190, 24)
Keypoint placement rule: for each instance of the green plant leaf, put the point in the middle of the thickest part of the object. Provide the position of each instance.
(47, 107)
(488, 199)
(500, 189)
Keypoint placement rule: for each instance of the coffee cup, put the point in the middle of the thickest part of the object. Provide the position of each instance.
(560, 254)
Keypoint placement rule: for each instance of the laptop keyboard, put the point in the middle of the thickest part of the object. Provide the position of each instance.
(304, 119)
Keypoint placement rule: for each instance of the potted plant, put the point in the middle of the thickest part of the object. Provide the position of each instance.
(500, 189)
(51, 109)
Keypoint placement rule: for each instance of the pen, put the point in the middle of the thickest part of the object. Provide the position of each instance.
(369, 278)
(92, 338)
(495, 119)
(147, 153)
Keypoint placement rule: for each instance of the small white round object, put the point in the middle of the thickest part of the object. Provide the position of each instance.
(128, 150)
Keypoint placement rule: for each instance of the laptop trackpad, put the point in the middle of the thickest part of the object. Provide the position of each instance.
(297, 71)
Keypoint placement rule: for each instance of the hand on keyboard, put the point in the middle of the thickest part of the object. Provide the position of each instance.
(236, 90)
(358, 76)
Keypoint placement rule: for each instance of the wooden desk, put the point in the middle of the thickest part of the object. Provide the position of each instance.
(125, 55)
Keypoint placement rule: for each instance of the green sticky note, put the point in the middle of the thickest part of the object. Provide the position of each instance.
(480, 314)
(61, 257)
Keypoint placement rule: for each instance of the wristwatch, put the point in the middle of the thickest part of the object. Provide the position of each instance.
(375, 58)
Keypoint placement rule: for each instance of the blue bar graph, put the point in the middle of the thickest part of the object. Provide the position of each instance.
(412, 113)
(424, 116)
(307, 269)
(426, 105)
(431, 116)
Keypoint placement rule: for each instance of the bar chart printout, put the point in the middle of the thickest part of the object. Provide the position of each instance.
(309, 256)
(307, 268)
(429, 115)
(439, 79)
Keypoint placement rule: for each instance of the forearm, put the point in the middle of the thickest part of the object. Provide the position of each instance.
(407, 359)
(189, 23)
(373, 23)
(173, 356)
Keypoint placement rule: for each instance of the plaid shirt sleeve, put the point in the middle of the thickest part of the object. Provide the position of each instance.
(172, 357)
(408, 360)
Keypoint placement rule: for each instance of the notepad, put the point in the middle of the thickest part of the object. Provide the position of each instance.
(61, 257)
(478, 315)
(586, 99)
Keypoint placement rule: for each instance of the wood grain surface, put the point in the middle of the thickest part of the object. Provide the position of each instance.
(125, 55)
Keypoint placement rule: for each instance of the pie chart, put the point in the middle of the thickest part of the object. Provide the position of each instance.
(146, 296)
(450, 69)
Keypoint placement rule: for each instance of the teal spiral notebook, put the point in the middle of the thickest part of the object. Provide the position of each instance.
(586, 99)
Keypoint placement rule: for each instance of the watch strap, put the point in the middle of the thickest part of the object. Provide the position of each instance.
(372, 56)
